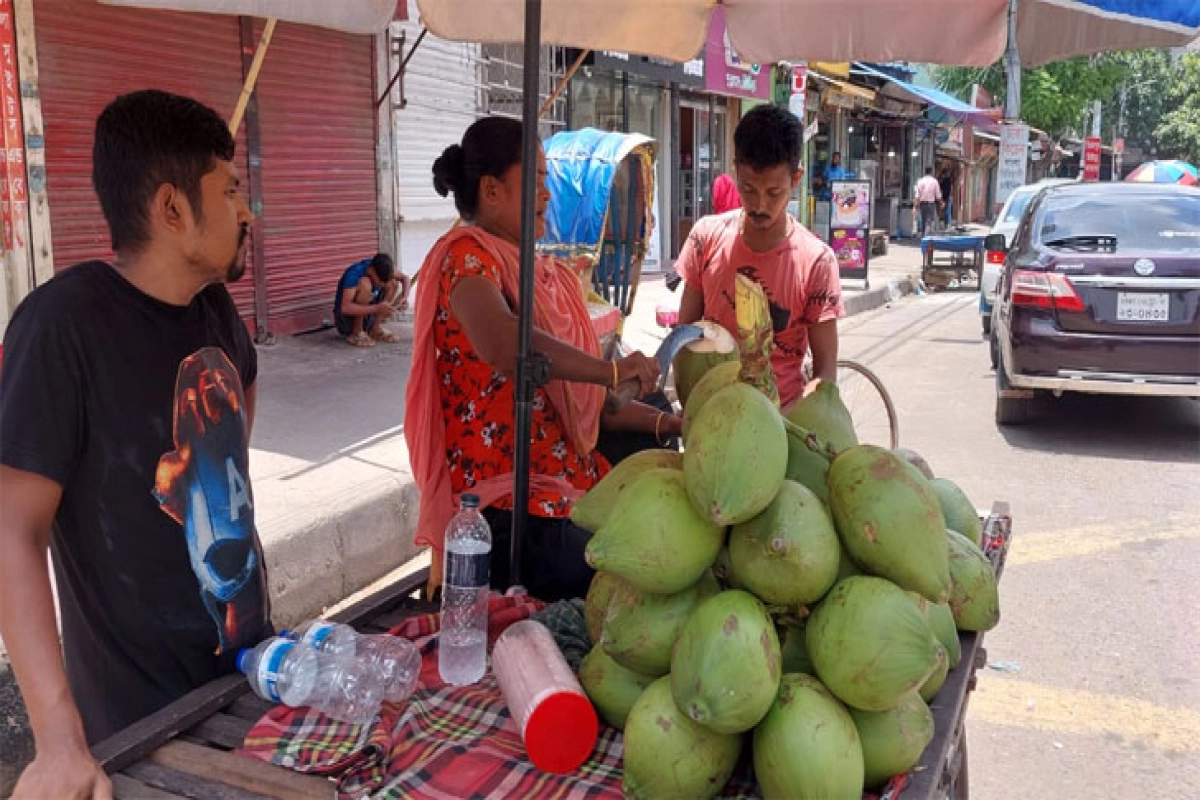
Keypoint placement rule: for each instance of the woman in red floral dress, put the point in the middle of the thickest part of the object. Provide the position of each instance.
(460, 414)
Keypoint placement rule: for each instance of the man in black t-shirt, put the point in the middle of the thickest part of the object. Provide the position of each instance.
(126, 401)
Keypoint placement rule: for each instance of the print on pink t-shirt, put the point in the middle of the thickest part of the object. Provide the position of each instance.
(800, 277)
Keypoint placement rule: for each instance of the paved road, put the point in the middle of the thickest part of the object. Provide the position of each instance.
(1099, 691)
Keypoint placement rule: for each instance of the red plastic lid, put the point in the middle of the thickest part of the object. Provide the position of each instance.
(561, 732)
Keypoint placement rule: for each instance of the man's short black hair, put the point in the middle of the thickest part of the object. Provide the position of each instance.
(146, 139)
(929, 170)
(384, 267)
(768, 136)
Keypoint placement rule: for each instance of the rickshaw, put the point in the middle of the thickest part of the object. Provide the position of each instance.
(600, 217)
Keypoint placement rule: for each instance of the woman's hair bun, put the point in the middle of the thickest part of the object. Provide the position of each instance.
(450, 170)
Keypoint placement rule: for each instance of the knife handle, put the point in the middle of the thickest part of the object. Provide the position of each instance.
(625, 393)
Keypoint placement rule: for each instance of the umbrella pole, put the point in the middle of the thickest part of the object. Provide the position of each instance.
(260, 53)
(530, 370)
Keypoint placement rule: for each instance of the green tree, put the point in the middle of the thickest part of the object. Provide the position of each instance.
(1055, 98)
(1178, 132)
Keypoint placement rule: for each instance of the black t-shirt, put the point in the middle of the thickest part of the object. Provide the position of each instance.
(137, 409)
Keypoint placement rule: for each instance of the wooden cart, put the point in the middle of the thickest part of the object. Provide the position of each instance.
(184, 750)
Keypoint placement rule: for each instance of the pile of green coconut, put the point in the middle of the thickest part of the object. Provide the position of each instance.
(778, 586)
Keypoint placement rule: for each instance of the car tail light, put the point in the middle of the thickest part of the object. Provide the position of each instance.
(995, 256)
(1045, 290)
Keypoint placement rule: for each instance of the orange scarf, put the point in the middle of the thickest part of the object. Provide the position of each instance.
(560, 311)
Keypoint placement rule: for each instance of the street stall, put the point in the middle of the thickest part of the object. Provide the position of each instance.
(951, 259)
(748, 640)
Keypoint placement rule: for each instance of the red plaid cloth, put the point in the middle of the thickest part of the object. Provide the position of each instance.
(448, 742)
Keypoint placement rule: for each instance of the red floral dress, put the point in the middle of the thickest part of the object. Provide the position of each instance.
(478, 404)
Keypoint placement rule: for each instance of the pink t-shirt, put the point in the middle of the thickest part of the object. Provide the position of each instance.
(799, 276)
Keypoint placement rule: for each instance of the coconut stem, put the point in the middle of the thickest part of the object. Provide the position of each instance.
(810, 440)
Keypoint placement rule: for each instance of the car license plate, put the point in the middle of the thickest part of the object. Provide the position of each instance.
(1143, 307)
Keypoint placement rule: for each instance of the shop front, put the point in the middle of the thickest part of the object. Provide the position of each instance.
(307, 151)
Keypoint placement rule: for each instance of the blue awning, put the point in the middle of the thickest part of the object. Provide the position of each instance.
(948, 104)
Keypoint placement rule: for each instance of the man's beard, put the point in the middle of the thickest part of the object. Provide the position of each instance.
(237, 268)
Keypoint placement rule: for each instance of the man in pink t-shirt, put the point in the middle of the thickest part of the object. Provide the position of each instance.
(798, 272)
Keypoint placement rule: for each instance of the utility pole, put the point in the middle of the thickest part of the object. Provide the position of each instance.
(1012, 61)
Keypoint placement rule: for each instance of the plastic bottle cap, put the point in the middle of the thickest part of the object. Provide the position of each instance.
(470, 500)
(561, 732)
(241, 659)
(285, 634)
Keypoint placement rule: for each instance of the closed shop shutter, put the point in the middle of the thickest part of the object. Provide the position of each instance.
(317, 119)
(442, 88)
(90, 53)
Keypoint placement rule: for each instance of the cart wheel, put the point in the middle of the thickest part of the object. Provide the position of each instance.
(869, 404)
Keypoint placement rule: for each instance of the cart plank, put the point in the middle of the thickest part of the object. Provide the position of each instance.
(185, 784)
(383, 600)
(139, 739)
(223, 730)
(127, 788)
(253, 776)
(249, 707)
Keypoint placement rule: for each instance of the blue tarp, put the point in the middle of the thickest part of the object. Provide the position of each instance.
(581, 167)
(950, 104)
(1185, 13)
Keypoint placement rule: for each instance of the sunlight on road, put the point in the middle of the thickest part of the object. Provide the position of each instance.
(1087, 540)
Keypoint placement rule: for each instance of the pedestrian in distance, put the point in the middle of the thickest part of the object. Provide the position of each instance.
(368, 294)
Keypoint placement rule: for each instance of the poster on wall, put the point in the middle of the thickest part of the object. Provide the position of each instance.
(850, 228)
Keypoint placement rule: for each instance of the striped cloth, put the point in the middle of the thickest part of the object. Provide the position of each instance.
(450, 743)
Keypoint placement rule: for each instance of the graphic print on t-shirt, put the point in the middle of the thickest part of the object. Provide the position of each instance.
(204, 486)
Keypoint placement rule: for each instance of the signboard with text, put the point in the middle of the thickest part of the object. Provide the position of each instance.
(1091, 158)
(1014, 157)
(850, 227)
(725, 72)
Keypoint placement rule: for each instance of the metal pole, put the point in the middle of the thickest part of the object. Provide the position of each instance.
(530, 145)
(1012, 62)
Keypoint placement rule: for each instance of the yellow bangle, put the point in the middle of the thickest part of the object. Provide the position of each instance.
(616, 377)
(657, 423)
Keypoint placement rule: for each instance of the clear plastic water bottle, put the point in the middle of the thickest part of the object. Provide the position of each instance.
(462, 643)
(285, 671)
(397, 659)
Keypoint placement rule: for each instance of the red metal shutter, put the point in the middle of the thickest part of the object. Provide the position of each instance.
(317, 117)
(90, 53)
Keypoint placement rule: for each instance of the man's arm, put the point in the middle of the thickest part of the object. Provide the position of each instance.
(691, 305)
(351, 307)
(63, 766)
(823, 341)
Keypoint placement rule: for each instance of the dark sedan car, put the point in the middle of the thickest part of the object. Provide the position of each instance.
(1100, 293)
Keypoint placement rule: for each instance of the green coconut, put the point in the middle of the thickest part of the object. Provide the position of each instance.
(940, 619)
(612, 689)
(889, 519)
(595, 605)
(793, 650)
(934, 682)
(591, 511)
(725, 668)
(893, 740)
(916, 459)
(959, 511)
(787, 555)
(805, 467)
(713, 381)
(668, 755)
(823, 413)
(654, 538)
(807, 747)
(736, 455)
(641, 628)
(869, 643)
(697, 358)
(846, 566)
(974, 596)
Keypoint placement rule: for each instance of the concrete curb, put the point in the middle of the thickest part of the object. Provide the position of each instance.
(878, 297)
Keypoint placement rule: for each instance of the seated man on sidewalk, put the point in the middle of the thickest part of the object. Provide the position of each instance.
(368, 293)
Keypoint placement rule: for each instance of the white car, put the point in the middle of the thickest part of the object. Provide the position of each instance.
(1006, 224)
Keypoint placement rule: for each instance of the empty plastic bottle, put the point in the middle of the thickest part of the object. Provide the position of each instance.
(462, 643)
(285, 671)
(397, 659)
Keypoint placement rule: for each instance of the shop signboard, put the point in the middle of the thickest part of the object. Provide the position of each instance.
(1014, 158)
(850, 228)
(1091, 158)
(725, 72)
(688, 73)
